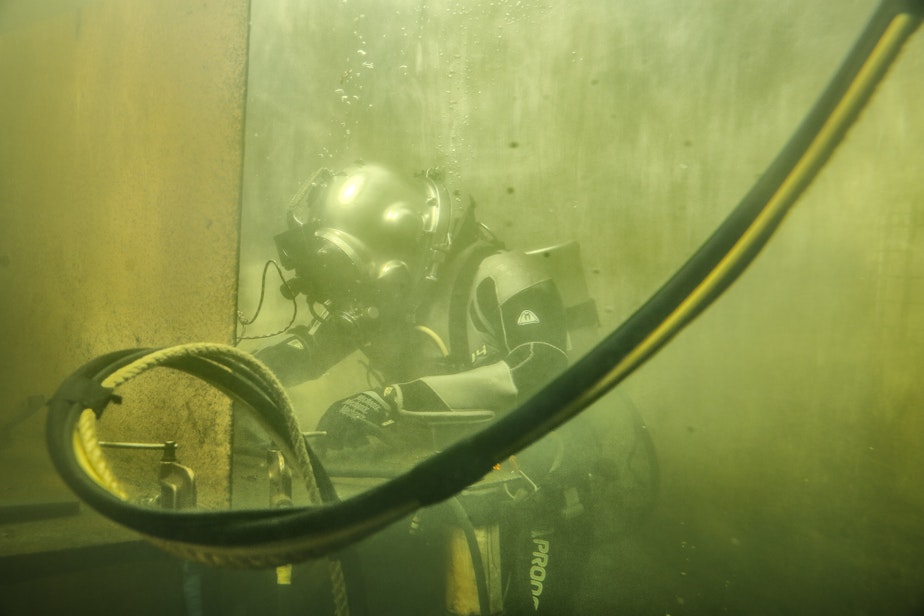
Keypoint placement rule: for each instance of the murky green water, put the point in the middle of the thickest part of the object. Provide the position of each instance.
(784, 419)
(766, 461)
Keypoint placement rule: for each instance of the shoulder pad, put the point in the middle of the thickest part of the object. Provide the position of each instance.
(511, 271)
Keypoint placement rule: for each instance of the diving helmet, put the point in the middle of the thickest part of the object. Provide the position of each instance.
(362, 240)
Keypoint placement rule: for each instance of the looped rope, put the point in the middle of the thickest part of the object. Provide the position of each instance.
(218, 351)
(94, 462)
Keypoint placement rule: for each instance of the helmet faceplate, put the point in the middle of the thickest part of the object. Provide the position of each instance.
(361, 240)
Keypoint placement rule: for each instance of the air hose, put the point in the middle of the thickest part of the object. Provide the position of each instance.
(84, 396)
(275, 537)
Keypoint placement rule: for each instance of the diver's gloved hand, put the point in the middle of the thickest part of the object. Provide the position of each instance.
(352, 421)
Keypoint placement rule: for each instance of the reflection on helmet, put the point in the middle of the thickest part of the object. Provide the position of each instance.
(361, 240)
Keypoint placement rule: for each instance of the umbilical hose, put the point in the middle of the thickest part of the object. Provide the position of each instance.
(275, 537)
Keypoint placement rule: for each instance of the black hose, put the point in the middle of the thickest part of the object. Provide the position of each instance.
(286, 535)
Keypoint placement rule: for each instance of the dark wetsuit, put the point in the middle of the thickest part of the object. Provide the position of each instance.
(491, 333)
(484, 339)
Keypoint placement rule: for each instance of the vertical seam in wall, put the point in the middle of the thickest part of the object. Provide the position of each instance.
(240, 219)
(240, 184)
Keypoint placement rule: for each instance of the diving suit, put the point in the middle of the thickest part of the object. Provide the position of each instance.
(451, 322)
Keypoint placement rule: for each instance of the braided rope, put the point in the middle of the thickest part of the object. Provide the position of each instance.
(338, 587)
(94, 461)
(92, 457)
(277, 392)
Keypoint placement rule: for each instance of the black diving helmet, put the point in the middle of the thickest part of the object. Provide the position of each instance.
(363, 240)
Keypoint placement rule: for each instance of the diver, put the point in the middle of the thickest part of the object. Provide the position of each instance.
(396, 266)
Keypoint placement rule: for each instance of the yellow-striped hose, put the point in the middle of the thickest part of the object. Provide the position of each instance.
(857, 94)
(288, 536)
(90, 456)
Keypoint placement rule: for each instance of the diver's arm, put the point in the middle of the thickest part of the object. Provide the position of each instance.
(520, 317)
(308, 352)
(496, 386)
(515, 346)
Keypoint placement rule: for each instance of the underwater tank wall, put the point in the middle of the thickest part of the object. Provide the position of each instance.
(120, 162)
(788, 418)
